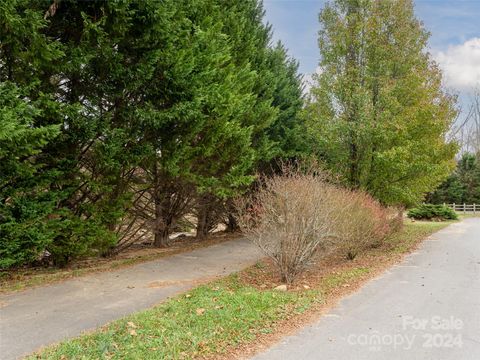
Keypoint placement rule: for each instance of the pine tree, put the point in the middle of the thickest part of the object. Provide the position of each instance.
(249, 39)
(450, 191)
(462, 186)
(468, 169)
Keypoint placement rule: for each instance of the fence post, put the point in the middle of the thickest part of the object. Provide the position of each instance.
(464, 209)
(454, 209)
(474, 209)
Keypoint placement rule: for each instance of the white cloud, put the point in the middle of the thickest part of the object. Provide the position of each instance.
(461, 64)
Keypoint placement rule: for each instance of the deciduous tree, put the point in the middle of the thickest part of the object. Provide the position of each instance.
(378, 113)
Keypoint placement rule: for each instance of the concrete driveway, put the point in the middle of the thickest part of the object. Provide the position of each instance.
(427, 307)
(44, 315)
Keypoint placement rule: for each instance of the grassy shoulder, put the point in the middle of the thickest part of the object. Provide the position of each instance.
(21, 279)
(235, 315)
(411, 233)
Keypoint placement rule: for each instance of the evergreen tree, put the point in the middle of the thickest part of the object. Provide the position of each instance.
(193, 119)
(450, 191)
(288, 129)
(468, 170)
(249, 39)
(462, 186)
(25, 207)
(100, 83)
(131, 112)
(276, 92)
(26, 55)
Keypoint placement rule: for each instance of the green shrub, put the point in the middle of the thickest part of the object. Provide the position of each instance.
(432, 212)
(31, 227)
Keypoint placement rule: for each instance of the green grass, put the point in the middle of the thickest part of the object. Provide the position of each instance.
(206, 320)
(411, 233)
(223, 314)
(338, 279)
(468, 215)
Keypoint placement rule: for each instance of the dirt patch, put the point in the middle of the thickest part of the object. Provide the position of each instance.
(162, 284)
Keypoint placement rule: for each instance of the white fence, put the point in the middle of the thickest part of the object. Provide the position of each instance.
(465, 208)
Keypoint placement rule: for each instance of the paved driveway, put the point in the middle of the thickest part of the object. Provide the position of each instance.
(41, 316)
(427, 307)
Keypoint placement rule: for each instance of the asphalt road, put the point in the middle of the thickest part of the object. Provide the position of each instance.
(44, 315)
(427, 307)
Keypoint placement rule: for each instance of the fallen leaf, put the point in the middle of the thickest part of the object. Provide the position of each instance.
(131, 324)
(200, 311)
(133, 332)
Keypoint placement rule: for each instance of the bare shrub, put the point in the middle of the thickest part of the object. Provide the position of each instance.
(291, 218)
(396, 218)
(298, 216)
(365, 222)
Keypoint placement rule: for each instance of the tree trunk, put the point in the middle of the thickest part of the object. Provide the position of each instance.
(354, 181)
(161, 239)
(161, 228)
(232, 225)
(202, 221)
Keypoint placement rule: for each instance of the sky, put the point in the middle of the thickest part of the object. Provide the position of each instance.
(454, 43)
